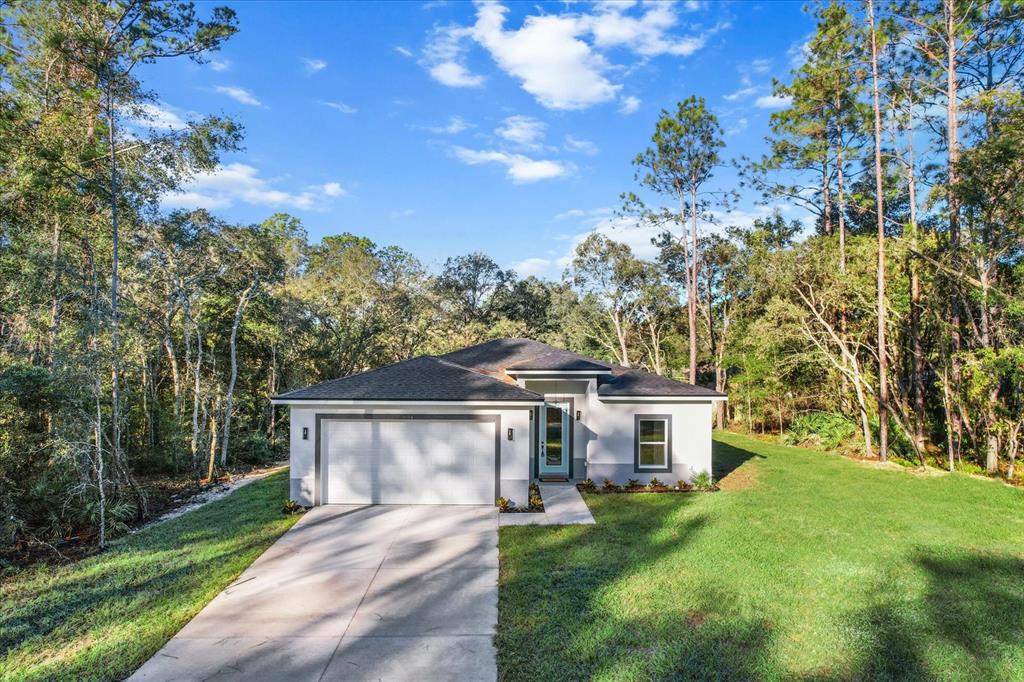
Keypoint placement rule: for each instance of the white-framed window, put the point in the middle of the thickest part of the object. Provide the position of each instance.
(652, 445)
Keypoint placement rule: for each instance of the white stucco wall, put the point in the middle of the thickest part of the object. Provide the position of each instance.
(514, 454)
(603, 437)
(610, 432)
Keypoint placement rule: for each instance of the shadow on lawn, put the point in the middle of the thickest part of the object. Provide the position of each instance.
(595, 602)
(164, 570)
(970, 621)
(728, 458)
(568, 615)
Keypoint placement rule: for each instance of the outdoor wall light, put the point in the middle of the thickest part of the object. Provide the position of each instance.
(305, 433)
(511, 434)
(579, 415)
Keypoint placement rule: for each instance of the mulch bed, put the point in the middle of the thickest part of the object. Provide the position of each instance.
(621, 489)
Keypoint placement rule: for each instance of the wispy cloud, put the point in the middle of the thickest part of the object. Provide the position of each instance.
(742, 92)
(520, 169)
(313, 65)
(220, 64)
(239, 95)
(404, 51)
(738, 127)
(160, 116)
(773, 102)
(235, 183)
(525, 131)
(629, 104)
(340, 106)
(576, 144)
(454, 126)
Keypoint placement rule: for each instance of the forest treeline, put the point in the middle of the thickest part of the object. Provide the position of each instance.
(138, 342)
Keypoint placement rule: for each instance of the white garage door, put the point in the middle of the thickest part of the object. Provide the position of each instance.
(376, 461)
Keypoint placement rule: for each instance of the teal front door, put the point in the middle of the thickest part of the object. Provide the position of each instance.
(555, 452)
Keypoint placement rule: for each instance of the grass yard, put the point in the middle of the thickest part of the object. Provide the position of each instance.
(101, 618)
(816, 567)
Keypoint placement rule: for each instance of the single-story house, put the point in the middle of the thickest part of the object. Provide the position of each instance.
(482, 422)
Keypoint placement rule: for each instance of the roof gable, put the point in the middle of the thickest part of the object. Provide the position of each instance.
(522, 354)
(638, 383)
(423, 378)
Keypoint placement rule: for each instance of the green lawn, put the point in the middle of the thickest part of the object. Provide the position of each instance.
(101, 618)
(821, 568)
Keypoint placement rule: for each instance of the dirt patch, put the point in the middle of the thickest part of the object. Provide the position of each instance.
(212, 493)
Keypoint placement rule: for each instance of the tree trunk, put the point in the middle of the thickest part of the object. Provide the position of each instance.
(843, 311)
(953, 201)
(883, 381)
(115, 341)
(691, 295)
(917, 348)
(272, 390)
(243, 301)
(55, 311)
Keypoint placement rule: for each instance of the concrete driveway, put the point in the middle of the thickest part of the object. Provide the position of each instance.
(353, 593)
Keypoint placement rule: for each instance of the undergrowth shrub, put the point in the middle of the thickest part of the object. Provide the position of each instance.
(826, 430)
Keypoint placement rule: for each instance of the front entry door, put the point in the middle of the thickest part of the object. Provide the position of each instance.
(555, 444)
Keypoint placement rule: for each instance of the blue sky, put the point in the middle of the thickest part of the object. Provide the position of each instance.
(446, 128)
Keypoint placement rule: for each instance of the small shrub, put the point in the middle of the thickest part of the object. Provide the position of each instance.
(826, 430)
(536, 503)
(609, 485)
(292, 507)
(681, 484)
(503, 504)
(588, 485)
(703, 481)
(633, 483)
(655, 484)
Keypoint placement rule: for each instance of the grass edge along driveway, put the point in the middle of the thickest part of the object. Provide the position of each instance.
(102, 617)
(817, 568)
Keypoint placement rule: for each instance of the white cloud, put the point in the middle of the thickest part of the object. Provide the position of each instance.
(454, 126)
(520, 169)
(742, 92)
(761, 66)
(220, 64)
(241, 183)
(160, 116)
(694, 5)
(585, 215)
(404, 213)
(522, 130)
(313, 65)
(444, 55)
(646, 34)
(333, 189)
(547, 57)
(576, 144)
(560, 58)
(239, 95)
(740, 125)
(629, 104)
(773, 102)
(532, 267)
(404, 51)
(340, 106)
(455, 75)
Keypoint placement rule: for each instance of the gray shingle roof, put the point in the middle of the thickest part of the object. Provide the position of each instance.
(421, 378)
(638, 383)
(522, 354)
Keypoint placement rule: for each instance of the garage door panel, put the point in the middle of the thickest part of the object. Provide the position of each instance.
(379, 461)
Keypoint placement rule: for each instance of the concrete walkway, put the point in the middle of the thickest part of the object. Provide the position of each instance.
(353, 593)
(563, 506)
